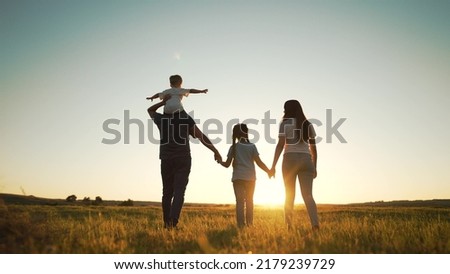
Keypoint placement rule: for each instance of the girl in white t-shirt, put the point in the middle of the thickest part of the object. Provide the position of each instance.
(243, 155)
(297, 138)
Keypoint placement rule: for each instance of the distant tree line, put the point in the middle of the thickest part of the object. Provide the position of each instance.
(98, 201)
(86, 200)
(127, 203)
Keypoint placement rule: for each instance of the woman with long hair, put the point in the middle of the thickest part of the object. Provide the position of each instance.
(297, 138)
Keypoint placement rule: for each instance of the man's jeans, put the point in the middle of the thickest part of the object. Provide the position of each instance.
(175, 177)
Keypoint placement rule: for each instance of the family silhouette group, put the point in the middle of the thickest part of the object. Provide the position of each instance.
(296, 138)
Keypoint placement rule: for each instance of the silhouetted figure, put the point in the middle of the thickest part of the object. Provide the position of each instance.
(297, 139)
(243, 155)
(176, 93)
(175, 157)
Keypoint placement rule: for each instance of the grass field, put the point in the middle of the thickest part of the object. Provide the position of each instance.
(345, 229)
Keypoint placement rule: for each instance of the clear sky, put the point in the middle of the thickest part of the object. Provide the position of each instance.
(66, 67)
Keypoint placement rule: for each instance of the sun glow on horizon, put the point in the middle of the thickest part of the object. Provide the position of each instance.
(269, 192)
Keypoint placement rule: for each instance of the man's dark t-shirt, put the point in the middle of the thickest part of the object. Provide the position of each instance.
(174, 132)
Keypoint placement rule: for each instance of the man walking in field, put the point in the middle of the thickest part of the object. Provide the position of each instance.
(175, 158)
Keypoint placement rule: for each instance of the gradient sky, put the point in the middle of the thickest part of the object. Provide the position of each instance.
(67, 66)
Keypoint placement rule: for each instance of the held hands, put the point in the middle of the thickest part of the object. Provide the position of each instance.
(271, 173)
(218, 158)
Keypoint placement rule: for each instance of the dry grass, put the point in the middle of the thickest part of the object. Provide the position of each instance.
(110, 229)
